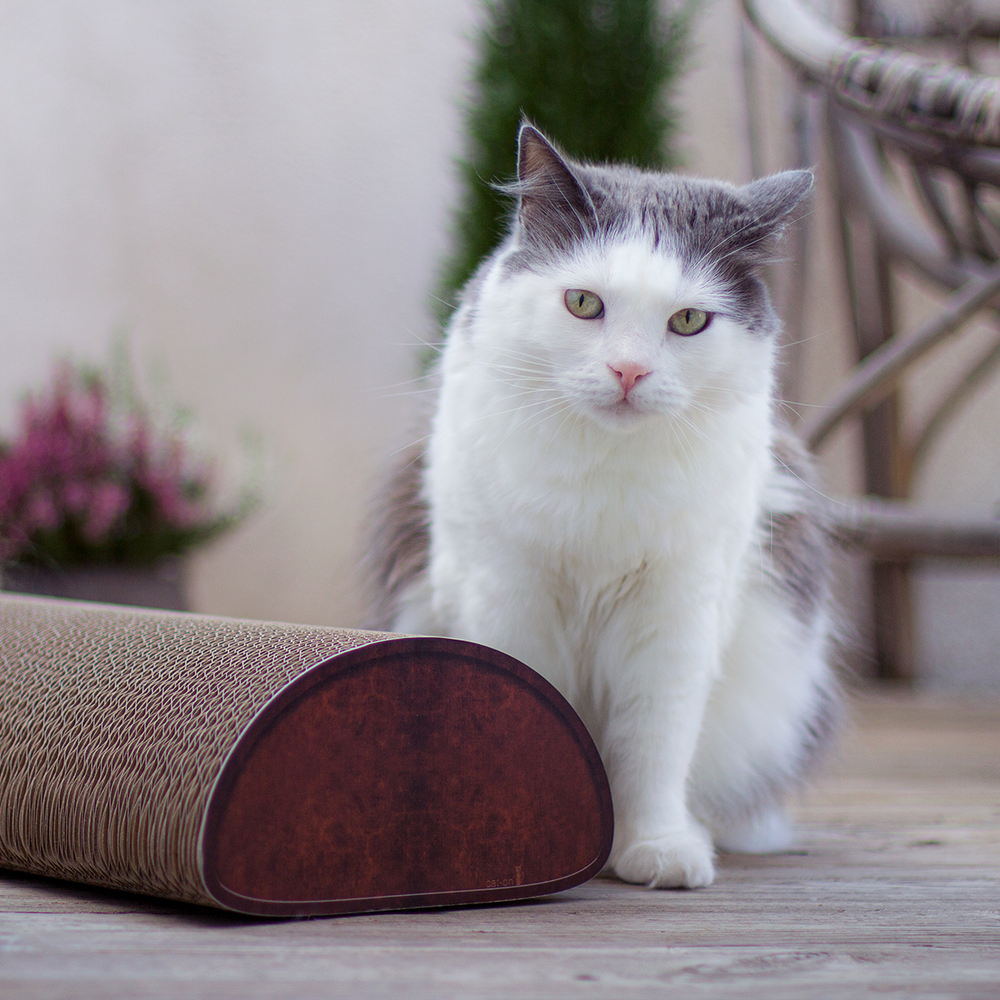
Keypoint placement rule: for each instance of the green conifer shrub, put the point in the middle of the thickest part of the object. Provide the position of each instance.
(594, 75)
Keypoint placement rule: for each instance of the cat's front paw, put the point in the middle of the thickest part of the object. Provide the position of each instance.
(681, 860)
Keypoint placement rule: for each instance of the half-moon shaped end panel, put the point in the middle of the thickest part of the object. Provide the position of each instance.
(407, 773)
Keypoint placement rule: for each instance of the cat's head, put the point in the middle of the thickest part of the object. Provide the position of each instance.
(634, 294)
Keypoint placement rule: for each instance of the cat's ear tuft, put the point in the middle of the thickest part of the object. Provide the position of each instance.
(536, 156)
(554, 207)
(772, 199)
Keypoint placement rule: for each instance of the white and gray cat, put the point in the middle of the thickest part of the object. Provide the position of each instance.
(606, 494)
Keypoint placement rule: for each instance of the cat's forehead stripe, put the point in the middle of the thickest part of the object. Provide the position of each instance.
(682, 215)
(679, 216)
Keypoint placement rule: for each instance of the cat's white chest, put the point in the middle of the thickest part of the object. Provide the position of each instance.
(559, 493)
(563, 543)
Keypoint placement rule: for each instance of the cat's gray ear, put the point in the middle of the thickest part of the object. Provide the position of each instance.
(771, 199)
(554, 207)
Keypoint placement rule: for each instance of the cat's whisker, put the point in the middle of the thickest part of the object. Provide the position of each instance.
(716, 247)
(495, 353)
(522, 408)
(428, 386)
(534, 375)
(408, 381)
(436, 345)
(526, 361)
(515, 407)
(514, 350)
(812, 487)
(444, 302)
(399, 395)
(782, 346)
(566, 417)
(531, 362)
(681, 438)
(783, 401)
(537, 418)
(519, 388)
(740, 248)
(704, 407)
(765, 235)
(518, 380)
(423, 439)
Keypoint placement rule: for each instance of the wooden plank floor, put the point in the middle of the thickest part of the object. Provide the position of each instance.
(893, 891)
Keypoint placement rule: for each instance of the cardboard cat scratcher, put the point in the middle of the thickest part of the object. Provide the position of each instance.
(286, 770)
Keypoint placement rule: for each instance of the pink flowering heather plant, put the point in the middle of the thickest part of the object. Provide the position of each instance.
(77, 489)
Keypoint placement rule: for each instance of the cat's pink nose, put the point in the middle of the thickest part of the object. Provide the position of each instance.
(628, 373)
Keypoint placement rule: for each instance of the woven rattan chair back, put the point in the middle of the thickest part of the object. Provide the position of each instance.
(897, 121)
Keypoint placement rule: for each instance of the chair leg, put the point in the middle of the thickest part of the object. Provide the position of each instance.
(885, 471)
(891, 601)
(893, 613)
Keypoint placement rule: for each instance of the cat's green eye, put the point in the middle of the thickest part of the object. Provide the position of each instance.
(584, 304)
(688, 322)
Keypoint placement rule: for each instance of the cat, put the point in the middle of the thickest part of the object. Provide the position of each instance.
(607, 494)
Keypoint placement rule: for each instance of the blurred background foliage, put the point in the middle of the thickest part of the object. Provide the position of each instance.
(597, 76)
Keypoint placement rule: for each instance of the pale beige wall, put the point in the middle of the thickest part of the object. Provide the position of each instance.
(258, 194)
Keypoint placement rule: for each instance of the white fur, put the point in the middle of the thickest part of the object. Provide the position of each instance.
(613, 545)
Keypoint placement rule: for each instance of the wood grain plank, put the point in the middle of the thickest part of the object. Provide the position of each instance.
(892, 891)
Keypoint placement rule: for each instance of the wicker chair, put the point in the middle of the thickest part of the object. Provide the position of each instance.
(886, 109)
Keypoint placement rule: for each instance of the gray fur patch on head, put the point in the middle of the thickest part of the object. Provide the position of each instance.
(724, 230)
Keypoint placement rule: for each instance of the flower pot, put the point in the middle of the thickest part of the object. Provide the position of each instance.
(161, 585)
